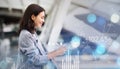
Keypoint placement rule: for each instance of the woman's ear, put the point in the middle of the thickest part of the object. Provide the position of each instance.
(33, 17)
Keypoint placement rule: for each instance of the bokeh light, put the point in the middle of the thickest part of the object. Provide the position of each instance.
(115, 46)
(101, 21)
(3, 64)
(100, 49)
(75, 41)
(91, 18)
(50, 65)
(115, 18)
(118, 61)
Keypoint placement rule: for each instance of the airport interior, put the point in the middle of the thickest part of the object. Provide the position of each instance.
(90, 29)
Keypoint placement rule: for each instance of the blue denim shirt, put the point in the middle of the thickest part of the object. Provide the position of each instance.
(32, 54)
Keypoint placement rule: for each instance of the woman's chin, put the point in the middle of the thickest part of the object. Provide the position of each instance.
(39, 26)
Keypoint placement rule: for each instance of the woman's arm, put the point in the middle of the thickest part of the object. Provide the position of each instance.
(57, 52)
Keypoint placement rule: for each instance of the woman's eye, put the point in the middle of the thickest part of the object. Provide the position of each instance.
(42, 17)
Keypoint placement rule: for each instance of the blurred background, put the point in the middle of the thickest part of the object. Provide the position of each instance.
(90, 29)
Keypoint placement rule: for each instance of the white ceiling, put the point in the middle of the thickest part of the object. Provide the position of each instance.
(22, 4)
(99, 5)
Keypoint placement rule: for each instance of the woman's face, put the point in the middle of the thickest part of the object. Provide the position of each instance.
(39, 19)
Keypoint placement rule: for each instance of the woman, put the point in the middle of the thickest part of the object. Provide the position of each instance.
(32, 53)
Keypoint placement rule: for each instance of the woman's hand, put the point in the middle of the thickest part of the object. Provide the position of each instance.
(57, 52)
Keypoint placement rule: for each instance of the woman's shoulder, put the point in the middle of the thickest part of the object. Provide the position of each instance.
(25, 33)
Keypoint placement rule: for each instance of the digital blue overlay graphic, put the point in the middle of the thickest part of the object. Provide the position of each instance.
(91, 18)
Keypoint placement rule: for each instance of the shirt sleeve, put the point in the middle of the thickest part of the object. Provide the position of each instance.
(28, 48)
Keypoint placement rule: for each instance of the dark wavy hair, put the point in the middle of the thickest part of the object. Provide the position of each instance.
(26, 21)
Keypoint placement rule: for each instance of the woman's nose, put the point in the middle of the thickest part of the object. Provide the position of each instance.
(43, 20)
